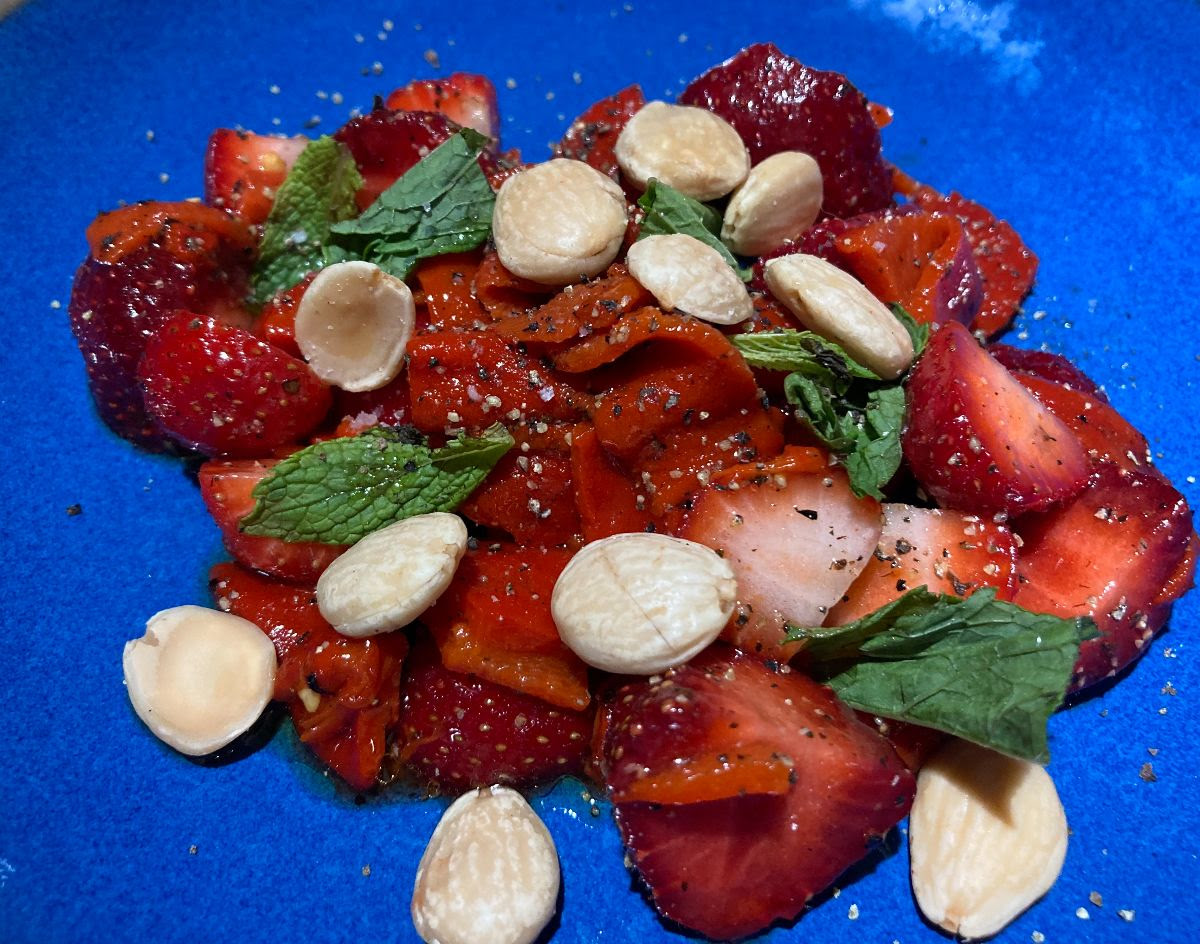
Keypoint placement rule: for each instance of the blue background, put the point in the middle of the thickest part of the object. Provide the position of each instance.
(1075, 120)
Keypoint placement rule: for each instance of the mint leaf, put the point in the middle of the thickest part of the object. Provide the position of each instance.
(919, 333)
(339, 491)
(669, 212)
(847, 407)
(978, 668)
(442, 204)
(317, 192)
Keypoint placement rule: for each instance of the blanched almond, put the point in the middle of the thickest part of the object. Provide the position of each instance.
(489, 874)
(987, 835)
(558, 222)
(835, 305)
(683, 274)
(640, 603)
(392, 575)
(691, 149)
(353, 324)
(779, 200)
(199, 678)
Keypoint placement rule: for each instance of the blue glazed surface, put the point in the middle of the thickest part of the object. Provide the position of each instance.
(1076, 121)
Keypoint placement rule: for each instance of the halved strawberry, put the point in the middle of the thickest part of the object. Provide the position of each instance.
(494, 621)
(147, 261)
(796, 543)
(1102, 431)
(767, 789)
(276, 322)
(778, 104)
(977, 440)
(221, 391)
(460, 731)
(592, 137)
(226, 486)
(343, 694)
(465, 98)
(243, 170)
(1053, 367)
(1108, 554)
(387, 143)
(946, 551)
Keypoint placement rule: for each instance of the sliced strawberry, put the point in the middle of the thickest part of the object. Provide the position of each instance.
(778, 104)
(147, 262)
(1007, 266)
(796, 543)
(242, 171)
(945, 551)
(475, 379)
(460, 731)
(592, 137)
(343, 694)
(276, 322)
(465, 98)
(387, 143)
(221, 391)
(531, 497)
(494, 621)
(1102, 431)
(977, 440)
(1108, 554)
(1053, 367)
(226, 487)
(770, 788)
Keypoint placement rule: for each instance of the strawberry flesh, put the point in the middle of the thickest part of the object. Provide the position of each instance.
(977, 440)
(1053, 367)
(242, 171)
(1108, 554)
(385, 144)
(778, 104)
(1102, 431)
(592, 137)
(730, 866)
(465, 98)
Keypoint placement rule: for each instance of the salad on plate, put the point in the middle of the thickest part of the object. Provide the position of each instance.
(686, 461)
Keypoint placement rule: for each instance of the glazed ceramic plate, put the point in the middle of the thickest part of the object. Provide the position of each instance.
(1075, 121)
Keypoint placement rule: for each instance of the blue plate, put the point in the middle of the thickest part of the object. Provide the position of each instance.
(1074, 120)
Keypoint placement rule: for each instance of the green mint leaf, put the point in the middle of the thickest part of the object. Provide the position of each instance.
(442, 204)
(317, 193)
(668, 212)
(845, 405)
(339, 491)
(917, 331)
(978, 668)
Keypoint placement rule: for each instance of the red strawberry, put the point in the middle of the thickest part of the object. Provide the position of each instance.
(221, 391)
(795, 547)
(1108, 554)
(724, 852)
(276, 322)
(465, 98)
(778, 104)
(977, 440)
(226, 487)
(461, 731)
(1053, 367)
(343, 694)
(1102, 431)
(148, 261)
(946, 551)
(592, 137)
(1008, 268)
(242, 170)
(386, 143)
(389, 405)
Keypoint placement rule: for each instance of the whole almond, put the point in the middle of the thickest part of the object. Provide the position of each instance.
(987, 837)
(489, 874)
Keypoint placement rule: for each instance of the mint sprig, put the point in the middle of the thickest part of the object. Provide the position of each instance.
(669, 212)
(442, 204)
(339, 491)
(978, 668)
(317, 193)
